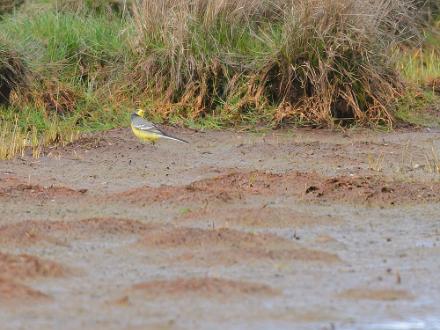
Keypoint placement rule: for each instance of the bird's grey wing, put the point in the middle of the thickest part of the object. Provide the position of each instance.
(145, 125)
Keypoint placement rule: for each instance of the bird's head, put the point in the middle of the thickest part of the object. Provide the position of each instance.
(140, 112)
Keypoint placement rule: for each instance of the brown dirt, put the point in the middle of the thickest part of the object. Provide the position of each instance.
(227, 246)
(264, 217)
(227, 188)
(59, 232)
(196, 237)
(12, 292)
(207, 287)
(292, 229)
(239, 256)
(224, 188)
(376, 294)
(372, 190)
(25, 266)
(13, 188)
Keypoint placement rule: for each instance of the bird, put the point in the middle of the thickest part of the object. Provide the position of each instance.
(147, 131)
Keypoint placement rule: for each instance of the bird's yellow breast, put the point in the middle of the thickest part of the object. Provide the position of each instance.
(145, 136)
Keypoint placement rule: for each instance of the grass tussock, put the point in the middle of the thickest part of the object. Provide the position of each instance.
(8, 6)
(58, 74)
(13, 74)
(93, 7)
(311, 61)
(86, 51)
(428, 11)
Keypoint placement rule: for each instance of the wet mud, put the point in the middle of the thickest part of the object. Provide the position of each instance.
(298, 229)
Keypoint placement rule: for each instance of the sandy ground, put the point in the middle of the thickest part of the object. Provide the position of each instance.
(298, 229)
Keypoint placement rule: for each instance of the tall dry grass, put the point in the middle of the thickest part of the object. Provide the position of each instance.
(7, 6)
(93, 7)
(312, 61)
(13, 74)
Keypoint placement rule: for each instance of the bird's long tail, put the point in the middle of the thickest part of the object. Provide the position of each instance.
(166, 136)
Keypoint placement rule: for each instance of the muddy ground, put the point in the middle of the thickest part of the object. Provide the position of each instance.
(297, 229)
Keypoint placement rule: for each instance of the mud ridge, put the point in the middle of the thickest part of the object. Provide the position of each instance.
(204, 286)
(192, 237)
(262, 217)
(370, 190)
(59, 232)
(12, 188)
(226, 246)
(224, 188)
(237, 256)
(13, 292)
(24, 266)
(376, 294)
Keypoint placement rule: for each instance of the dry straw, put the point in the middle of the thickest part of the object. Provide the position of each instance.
(311, 60)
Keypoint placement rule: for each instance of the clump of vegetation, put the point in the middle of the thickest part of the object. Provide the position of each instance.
(72, 58)
(12, 74)
(59, 73)
(311, 61)
(108, 7)
(427, 10)
(8, 6)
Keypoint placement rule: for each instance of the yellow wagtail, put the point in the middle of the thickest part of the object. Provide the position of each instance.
(147, 131)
